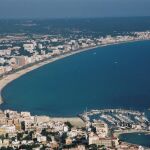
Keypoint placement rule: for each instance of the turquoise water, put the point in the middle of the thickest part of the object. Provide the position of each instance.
(136, 138)
(107, 77)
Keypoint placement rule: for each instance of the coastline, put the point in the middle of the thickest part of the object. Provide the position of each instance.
(118, 134)
(13, 76)
(9, 78)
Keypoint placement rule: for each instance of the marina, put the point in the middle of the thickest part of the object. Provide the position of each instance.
(55, 85)
(119, 119)
(129, 126)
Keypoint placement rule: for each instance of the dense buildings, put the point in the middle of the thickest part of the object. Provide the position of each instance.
(27, 50)
(24, 131)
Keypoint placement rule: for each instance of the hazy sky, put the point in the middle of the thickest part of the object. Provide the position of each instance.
(73, 8)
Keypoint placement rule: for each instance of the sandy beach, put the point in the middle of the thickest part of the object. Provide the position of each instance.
(9, 78)
(75, 121)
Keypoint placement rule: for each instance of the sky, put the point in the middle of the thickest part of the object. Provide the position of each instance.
(73, 8)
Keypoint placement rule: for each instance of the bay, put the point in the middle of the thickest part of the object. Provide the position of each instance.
(116, 76)
(136, 138)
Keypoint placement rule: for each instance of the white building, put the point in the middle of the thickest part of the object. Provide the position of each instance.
(2, 60)
(40, 46)
(29, 47)
(41, 139)
(25, 114)
(8, 128)
(66, 129)
(101, 128)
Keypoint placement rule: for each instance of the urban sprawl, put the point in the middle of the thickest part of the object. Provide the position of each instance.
(20, 50)
(95, 129)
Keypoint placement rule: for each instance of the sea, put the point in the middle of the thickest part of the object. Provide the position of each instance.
(136, 138)
(116, 76)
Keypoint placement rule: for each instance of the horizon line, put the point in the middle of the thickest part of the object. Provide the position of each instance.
(57, 18)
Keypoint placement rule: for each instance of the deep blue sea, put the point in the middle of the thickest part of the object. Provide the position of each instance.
(116, 76)
(136, 138)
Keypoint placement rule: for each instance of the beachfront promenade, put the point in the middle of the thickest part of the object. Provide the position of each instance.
(9, 78)
(12, 76)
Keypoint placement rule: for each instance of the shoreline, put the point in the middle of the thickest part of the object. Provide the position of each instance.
(118, 134)
(13, 76)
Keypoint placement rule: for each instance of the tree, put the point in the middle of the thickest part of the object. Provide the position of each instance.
(19, 136)
(68, 124)
(63, 137)
(93, 147)
(23, 125)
